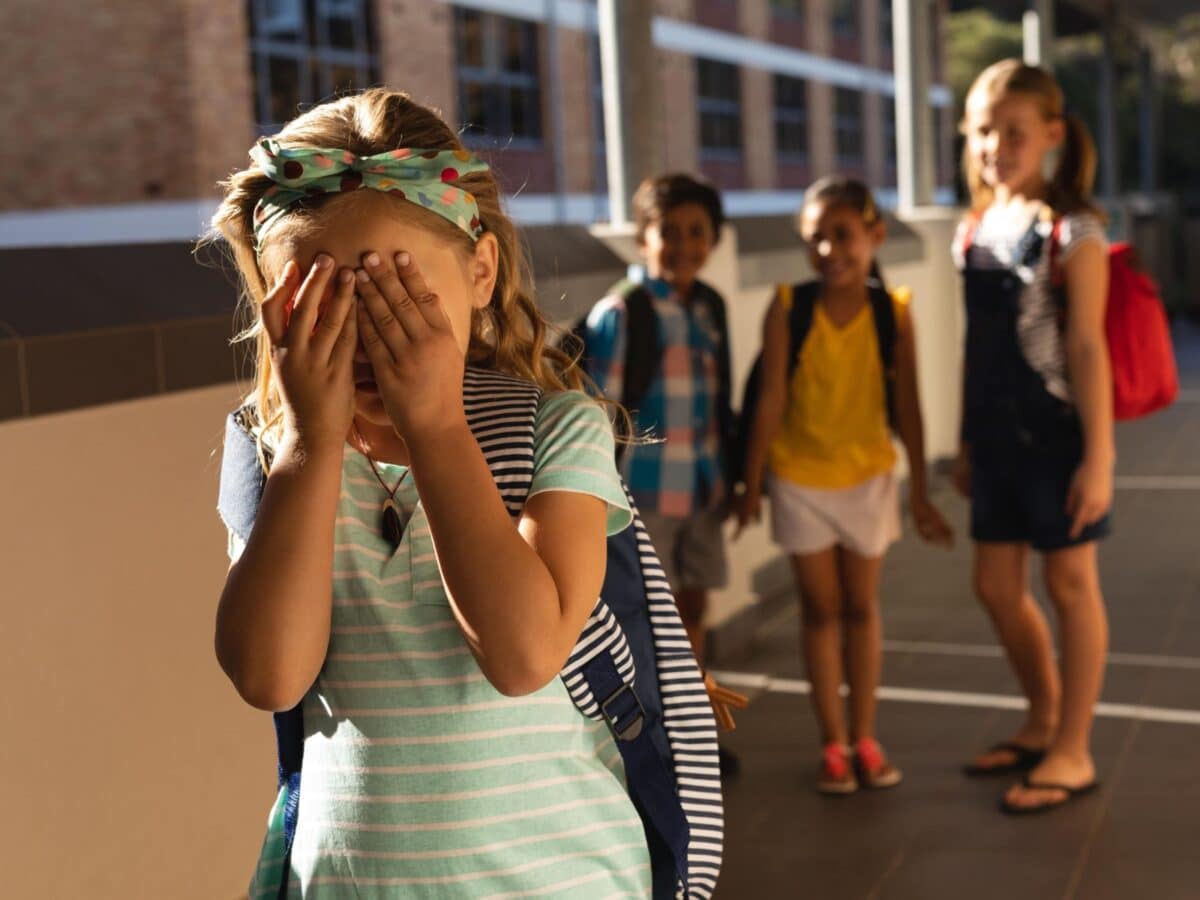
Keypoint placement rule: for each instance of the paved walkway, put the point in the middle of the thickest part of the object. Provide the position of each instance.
(948, 692)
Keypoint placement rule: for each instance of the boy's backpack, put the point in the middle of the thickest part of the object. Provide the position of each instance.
(800, 316)
(632, 667)
(644, 351)
(1136, 330)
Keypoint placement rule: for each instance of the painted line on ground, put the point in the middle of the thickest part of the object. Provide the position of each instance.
(1157, 482)
(771, 684)
(994, 651)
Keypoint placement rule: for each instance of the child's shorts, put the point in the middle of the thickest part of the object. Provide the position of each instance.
(865, 518)
(1023, 500)
(691, 548)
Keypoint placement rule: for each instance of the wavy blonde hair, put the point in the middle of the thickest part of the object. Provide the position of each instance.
(509, 335)
(1070, 188)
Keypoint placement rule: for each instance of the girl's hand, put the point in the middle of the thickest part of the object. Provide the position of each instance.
(931, 526)
(313, 332)
(1090, 496)
(407, 336)
(748, 508)
(961, 474)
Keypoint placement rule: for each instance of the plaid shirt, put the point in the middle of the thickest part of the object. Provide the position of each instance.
(680, 474)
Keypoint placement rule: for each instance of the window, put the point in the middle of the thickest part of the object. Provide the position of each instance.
(885, 24)
(847, 114)
(497, 65)
(306, 51)
(791, 118)
(845, 18)
(720, 106)
(791, 9)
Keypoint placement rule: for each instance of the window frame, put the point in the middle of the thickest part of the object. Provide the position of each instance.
(312, 52)
(497, 80)
(725, 108)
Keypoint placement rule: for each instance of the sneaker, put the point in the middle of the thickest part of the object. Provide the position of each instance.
(874, 771)
(836, 774)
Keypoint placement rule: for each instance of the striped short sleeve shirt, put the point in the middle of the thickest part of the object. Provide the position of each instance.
(420, 779)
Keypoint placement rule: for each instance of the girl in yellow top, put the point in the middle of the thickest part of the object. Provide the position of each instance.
(822, 437)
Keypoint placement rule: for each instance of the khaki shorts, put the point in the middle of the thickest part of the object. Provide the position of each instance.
(691, 549)
(865, 519)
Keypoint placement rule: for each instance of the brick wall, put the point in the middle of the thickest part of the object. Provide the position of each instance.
(96, 103)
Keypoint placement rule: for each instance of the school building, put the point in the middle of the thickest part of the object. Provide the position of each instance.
(155, 101)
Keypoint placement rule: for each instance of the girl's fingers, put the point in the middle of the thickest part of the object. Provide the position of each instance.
(308, 299)
(398, 299)
(384, 321)
(428, 303)
(342, 355)
(377, 351)
(329, 326)
(274, 314)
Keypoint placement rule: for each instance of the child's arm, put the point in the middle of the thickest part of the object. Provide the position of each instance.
(1086, 272)
(930, 524)
(273, 619)
(521, 597)
(772, 404)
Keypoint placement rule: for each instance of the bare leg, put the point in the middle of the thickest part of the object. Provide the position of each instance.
(1001, 583)
(821, 638)
(1073, 580)
(864, 637)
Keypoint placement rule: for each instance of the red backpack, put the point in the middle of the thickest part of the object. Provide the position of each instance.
(1144, 376)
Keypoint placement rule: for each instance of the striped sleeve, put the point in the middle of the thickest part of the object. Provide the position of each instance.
(1077, 229)
(573, 451)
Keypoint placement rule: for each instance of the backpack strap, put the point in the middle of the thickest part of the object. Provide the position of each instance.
(883, 314)
(802, 300)
(726, 420)
(643, 347)
(1057, 275)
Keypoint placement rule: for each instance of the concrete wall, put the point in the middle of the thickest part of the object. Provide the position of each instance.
(129, 767)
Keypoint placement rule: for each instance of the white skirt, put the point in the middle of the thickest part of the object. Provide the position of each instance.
(865, 518)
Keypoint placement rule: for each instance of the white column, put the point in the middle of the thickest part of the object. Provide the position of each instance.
(912, 51)
(1038, 32)
(627, 71)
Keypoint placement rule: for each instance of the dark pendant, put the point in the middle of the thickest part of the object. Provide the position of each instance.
(393, 526)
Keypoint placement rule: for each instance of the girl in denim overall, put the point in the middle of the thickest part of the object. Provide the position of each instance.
(1037, 446)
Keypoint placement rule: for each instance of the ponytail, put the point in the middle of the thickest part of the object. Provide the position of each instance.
(1075, 174)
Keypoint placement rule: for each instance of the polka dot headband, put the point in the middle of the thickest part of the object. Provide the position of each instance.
(423, 177)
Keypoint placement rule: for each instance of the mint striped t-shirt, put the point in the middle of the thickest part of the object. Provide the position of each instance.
(422, 780)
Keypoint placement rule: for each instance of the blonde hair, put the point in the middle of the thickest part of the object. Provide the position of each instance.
(1070, 188)
(509, 335)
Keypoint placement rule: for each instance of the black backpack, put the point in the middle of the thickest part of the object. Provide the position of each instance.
(632, 667)
(800, 316)
(644, 351)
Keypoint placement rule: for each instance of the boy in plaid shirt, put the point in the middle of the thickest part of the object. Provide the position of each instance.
(681, 400)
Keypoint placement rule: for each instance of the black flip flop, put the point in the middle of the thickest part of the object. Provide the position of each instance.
(1072, 793)
(1026, 759)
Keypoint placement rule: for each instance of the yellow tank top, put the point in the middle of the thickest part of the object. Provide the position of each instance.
(835, 431)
